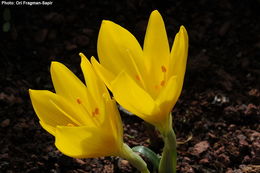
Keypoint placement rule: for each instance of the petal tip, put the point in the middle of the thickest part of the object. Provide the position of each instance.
(106, 22)
(155, 12)
(184, 33)
(83, 57)
(92, 58)
(94, 61)
(55, 64)
(81, 54)
(183, 29)
(30, 92)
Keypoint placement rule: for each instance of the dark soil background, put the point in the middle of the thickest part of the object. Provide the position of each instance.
(219, 106)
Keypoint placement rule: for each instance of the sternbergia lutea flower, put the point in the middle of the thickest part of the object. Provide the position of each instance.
(83, 118)
(146, 81)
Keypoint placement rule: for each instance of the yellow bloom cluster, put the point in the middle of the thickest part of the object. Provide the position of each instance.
(146, 81)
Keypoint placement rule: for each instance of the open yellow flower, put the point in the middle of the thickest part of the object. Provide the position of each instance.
(83, 119)
(148, 81)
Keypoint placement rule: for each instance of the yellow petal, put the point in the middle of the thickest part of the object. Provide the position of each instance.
(94, 85)
(54, 110)
(105, 75)
(118, 49)
(168, 97)
(114, 119)
(132, 97)
(156, 47)
(178, 58)
(66, 83)
(48, 128)
(85, 142)
(48, 112)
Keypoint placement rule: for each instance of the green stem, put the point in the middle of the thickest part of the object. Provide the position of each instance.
(169, 156)
(134, 159)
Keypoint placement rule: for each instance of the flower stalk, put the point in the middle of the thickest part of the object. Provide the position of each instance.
(169, 156)
(134, 159)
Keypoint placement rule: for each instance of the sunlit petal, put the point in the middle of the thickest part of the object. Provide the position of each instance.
(94, 85)
(105, 75)
(156, 47)
(178, 58)
(66, 83)
(85, 142)
(48, 112)
(132, 97)
(96, 88)
(48, 128)
(168, 96)
(114, 117)
(118, 49)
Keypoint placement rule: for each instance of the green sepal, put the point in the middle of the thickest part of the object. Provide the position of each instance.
(150, 155)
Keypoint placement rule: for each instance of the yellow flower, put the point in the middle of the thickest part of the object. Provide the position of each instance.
(83, 119)
(148, 81)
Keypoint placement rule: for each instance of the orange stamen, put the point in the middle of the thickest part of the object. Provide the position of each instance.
(163, 68)
(96, 111)
(162, 82)
(137, 77)
(79, 101)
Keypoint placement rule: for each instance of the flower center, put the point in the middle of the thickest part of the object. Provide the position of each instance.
(163, 81)
(92, 113)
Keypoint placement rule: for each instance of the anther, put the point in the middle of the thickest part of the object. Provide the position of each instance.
(163, 68)
(162, 82)
(137, 77)
(79, 101)
(96, 111)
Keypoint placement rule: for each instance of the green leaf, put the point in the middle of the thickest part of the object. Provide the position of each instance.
(150, 155)
(6, 27)
(7, 14)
